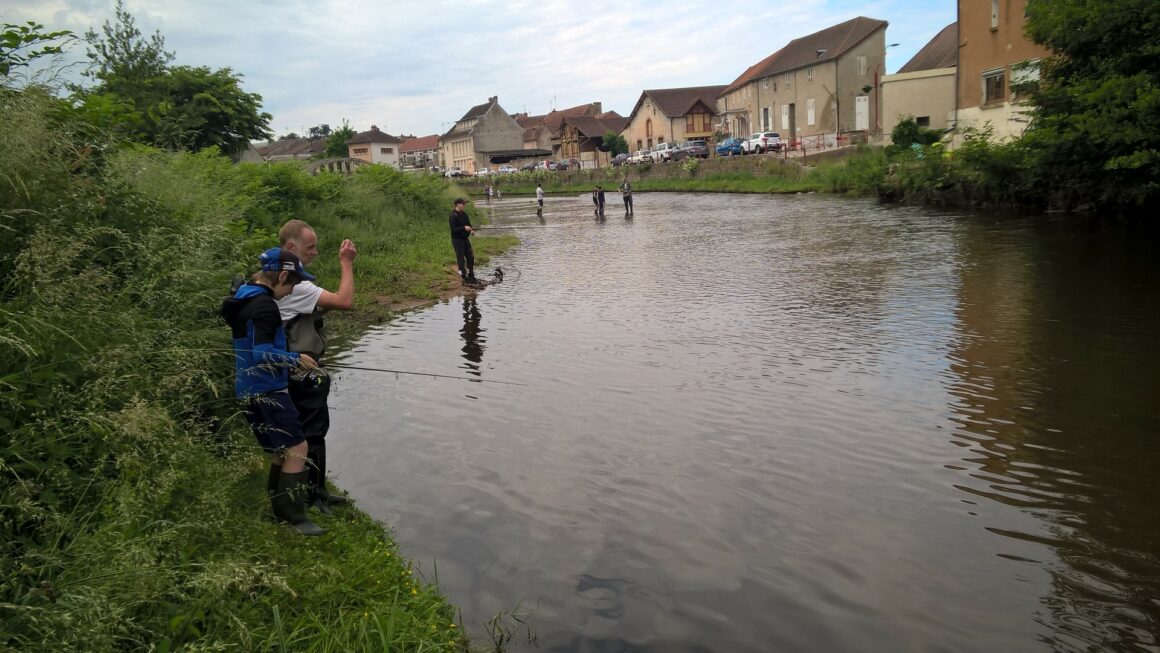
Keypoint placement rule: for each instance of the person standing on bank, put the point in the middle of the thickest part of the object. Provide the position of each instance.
(626, 193)
(461, 230)
(262, 365)
(302, 312)
(539, 197)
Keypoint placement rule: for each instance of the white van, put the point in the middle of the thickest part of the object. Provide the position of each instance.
(663, 152)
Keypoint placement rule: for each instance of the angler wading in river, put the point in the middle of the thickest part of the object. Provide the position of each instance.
(262, 366)
(302, 311)
(460, 232)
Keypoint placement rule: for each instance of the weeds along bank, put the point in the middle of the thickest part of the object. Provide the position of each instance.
(132, 499)
(854, 171)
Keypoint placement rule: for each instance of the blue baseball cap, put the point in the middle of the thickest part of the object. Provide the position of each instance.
(277, 259)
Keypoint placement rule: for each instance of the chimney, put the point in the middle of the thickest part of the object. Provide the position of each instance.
(596, 105)
(492, 99)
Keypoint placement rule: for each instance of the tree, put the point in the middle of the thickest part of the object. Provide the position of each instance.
(1095, 130)
(18, 45)
(202, 108)
(179, 107)
(121, 58)
(320, 131)
(613, 143)
(336, 142)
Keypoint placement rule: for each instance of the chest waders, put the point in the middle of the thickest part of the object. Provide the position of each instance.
(306, 334)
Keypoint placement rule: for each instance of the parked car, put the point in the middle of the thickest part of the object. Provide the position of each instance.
(729, 147)
(663, 152)
(619, 159)
(528, 167)
(763, 142)
(505, 169)
(678, 153)
(561, 166)
(546, 165)
(453, 171)
(695, 149)
(436, 169)
(483, 172)
(640, 156)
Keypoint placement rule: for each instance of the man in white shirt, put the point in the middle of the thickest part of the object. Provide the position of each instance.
(539, 198)
(302, 313)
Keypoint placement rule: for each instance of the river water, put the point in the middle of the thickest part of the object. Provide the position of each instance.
(758, 423)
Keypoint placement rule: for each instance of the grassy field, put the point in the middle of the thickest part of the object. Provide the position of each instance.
(133, 513)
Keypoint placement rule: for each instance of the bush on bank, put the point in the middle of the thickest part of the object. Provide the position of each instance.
(132, 496)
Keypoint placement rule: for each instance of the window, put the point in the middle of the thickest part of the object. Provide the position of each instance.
(810, 74)
(1024, 77)
(386, 150)
(639, 145)
(765, 118)
(361, 150)
(648, 128)
(994, 14)
(994, 86)
(785, 79)
(650, 143)
(810, 111)
(922, 121)
(862, 65)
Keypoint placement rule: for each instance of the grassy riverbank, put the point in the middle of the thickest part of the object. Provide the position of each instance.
(857, 172)
(132, 500)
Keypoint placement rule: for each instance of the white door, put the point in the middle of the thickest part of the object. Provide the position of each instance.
(862, 113)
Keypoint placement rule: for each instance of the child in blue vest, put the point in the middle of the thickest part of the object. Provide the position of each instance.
(262, 376)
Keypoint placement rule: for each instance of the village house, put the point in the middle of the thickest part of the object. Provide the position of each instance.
(581, 137)
(419, 152)
(484, 136)
(289, 149)
(545, 132)
(924, 88)
(993, 54)
(668, 115)
(814, 89)
(375, 146)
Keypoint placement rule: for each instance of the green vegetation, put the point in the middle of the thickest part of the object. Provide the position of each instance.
(613, 143)
(132, 496)
(145, 100)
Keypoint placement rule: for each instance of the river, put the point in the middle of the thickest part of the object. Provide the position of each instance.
(767, 423)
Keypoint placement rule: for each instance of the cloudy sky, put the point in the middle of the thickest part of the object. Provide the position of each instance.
(416, 67)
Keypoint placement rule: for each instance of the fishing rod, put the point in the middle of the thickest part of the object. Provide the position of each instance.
(340, 366)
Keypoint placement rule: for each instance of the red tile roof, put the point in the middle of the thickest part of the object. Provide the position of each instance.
(419, 144)
(674, 102)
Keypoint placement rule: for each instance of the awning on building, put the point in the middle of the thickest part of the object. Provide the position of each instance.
(506, 156)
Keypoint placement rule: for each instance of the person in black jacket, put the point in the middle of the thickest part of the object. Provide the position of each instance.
(460, 232)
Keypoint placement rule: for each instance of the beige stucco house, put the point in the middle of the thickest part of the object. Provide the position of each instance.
(924, 88)
(375, 146)
(666, 115)
(816, 88)
(993, 54)
(484, 135)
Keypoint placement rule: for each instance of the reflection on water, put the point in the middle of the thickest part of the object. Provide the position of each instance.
(781, 424)
(473, 338)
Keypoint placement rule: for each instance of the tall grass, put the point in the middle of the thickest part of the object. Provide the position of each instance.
(132, 496)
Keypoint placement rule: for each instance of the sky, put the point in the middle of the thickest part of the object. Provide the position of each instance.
(416, 67)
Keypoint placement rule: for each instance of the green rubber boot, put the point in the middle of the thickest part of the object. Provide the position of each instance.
(289, 503)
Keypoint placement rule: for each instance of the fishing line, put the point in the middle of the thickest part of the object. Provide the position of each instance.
(340, 366)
